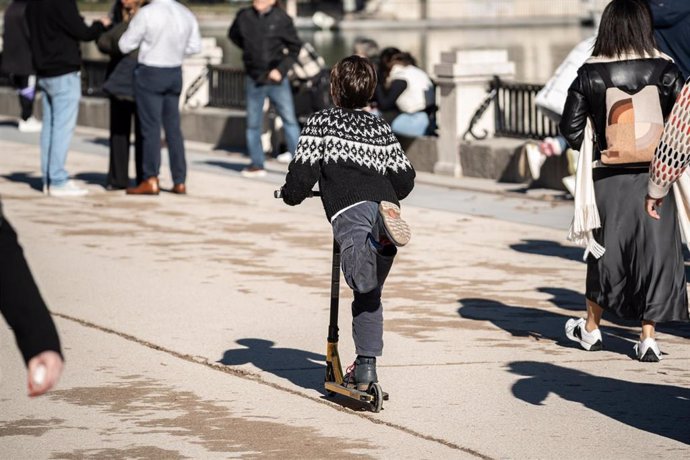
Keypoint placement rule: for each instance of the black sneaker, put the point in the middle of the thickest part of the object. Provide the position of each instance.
(361, 373)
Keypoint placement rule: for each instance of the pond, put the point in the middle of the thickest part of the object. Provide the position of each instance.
(536, 50)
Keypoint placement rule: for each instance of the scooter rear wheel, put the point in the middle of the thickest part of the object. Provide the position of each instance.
(376, 391)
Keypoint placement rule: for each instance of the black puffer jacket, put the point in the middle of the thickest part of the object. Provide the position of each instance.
(587, 94)
(264, 40)
(16, 56)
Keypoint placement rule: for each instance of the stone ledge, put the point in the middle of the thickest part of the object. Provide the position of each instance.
(220, 127)
(502, 159)
(421, 151)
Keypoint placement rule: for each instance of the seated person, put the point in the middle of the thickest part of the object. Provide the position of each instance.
(406, 96)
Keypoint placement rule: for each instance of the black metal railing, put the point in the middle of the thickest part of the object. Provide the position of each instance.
(515, 111)
(226, 87)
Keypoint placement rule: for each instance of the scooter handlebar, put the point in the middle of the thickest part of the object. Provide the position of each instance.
(279, 193)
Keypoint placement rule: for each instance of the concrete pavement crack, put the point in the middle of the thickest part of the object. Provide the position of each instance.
(257, 378)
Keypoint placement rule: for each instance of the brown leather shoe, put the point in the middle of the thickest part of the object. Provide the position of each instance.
(180, 189)
(146, 187)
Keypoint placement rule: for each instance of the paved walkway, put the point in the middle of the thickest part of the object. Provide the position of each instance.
(195, 327)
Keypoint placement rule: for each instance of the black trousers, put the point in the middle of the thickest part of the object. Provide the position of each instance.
(121, 113)
(20, 301)
(26, 95)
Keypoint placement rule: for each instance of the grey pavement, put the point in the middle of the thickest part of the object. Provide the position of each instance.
(194, 327)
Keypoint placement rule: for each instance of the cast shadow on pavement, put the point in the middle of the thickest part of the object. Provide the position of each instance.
(297, 366)
(28, 178)
(549, 248)
(104, 141)
(663, 410)
(539, 324)
(302, 368)
(227, 165)
(92, 178)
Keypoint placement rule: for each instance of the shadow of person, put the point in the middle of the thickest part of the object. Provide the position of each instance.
(302, 368)
(93, 178)
(227, 165)
(663, 410)
(35, 182)
(104, 141)
(539, 324)
(549, 248)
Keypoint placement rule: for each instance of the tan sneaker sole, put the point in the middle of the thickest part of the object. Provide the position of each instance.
(397, 229)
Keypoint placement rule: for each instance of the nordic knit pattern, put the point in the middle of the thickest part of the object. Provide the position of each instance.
(673, 153)
(353, 155)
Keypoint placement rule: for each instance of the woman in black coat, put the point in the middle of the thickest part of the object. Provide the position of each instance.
(640, 273)
(119, 86)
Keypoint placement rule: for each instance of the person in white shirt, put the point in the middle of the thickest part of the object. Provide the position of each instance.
(165, 32)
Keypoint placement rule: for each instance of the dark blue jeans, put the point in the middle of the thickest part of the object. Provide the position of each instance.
(157, 92)
(365, 270)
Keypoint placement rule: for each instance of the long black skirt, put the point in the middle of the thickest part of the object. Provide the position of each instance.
(641, 276)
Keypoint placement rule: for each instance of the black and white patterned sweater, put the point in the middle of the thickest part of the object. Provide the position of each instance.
(353, 155)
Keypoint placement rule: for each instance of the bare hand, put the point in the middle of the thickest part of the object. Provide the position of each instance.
(44, 372)
(106, 21)
(652, 206)
(275, 75)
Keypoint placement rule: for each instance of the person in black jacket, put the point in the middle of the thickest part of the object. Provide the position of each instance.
(16, 61)
(672, 30)
(122, 105)
(56, 29)
(25, 311)
(264, 31)
(640, 275)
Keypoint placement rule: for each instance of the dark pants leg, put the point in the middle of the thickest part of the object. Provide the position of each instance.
(27, 105)
(120, 131)
(26, 91)
(138, 147)
(171, 125)
(365, 271)
(148, 89)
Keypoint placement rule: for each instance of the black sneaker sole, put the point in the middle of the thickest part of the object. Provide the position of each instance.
(597, 346)
(649, 357)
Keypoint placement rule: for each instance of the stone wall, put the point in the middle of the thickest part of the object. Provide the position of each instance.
(480, 9)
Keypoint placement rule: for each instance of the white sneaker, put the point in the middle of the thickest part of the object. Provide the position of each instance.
(253, 171)
(69, 188)
(285, 157)
(575, 330)
(31, 125)
(647, 351)
(535, 159)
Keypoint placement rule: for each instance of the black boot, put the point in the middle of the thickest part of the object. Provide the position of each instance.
(364, 372)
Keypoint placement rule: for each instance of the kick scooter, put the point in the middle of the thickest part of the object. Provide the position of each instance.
(335, 380)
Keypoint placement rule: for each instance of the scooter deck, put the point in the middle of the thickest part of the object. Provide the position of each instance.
(349, 392)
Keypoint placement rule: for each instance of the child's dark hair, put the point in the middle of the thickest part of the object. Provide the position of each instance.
(353, 81)
(626, 27)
